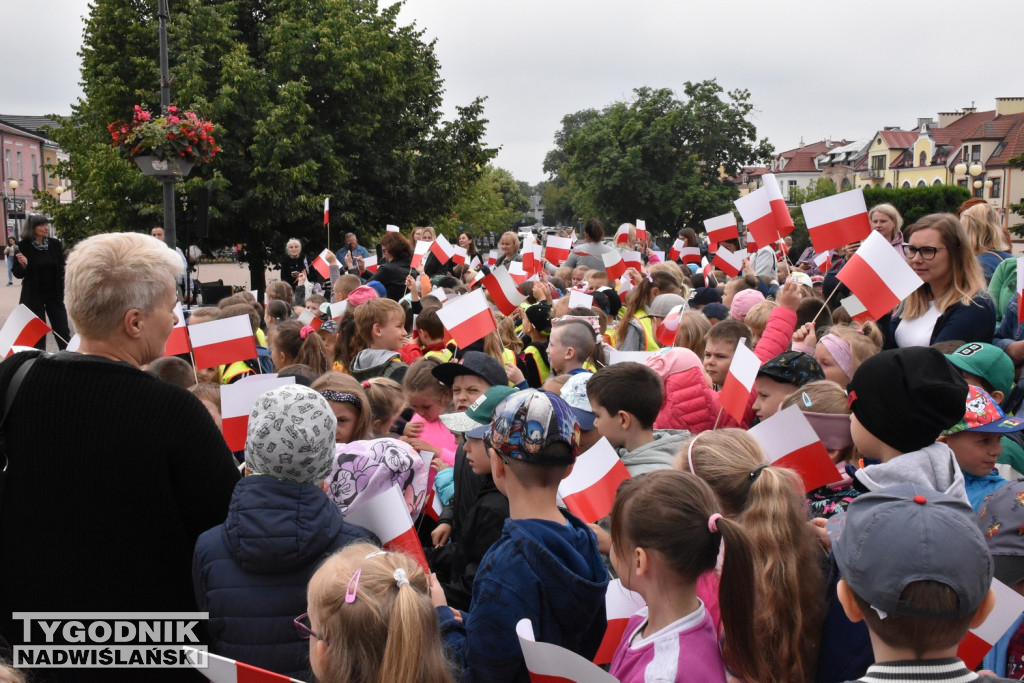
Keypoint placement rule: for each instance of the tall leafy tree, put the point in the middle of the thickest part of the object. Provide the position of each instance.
(494, 203)
(312, 99)
(657, 157)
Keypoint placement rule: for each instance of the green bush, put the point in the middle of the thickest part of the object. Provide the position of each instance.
(915, 202)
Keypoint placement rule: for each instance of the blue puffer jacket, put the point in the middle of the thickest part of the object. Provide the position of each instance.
(250, 573)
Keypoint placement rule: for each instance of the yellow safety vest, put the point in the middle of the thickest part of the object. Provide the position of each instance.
(542, 367)
(647, 325)
(235, 371)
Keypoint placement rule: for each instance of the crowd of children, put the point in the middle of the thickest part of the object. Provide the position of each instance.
(746, 575)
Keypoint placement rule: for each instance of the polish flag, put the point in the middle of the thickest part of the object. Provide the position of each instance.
(735, 394)
(729, 262)
(516, 272)
(23, 328)
(459, 255)
(327, 210)
(837, 220)
(823, 261)
(722, 228)
(320, 264)
(387, 515)
(468, 318)
(338, 309)
(613, 264)
(557, 249)
(237, 401)
(480, 275)
(659, 254)
(177, 343)
(419, 251)
(632, 259)
(220, 342)
(219, 669)
(879, 276)
(433, 507)
(856, 309)
(978, 641)
(622, 234)
(676, 251)
(706, 268)
(690, 255)
(492, 257)
(442, 250)
(502, 288)
(392, 228)
(589, 490)
(370, 263)
(790, 441)
(669, 326)
(580, 298)
(620, 604)
(307, 318)
(550, 663)
(765, 212)
(1020, 299)
(532, 259)
(641, 229)
(474, 262)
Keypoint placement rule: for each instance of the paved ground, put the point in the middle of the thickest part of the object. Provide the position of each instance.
(230, 273)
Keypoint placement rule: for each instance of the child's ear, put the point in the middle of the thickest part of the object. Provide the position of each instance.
(942, 439)
(568, 470)
(850, 605)
(986, 607)
(625, 419)
(376, 330)
(642, 561)
(997, 395)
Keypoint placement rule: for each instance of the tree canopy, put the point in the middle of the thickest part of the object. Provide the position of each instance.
(312, 99)
(495, 202)
(657, 157)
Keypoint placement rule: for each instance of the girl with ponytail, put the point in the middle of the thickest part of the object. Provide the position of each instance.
(292, 342)
(635, 331)
(666, 530)
(768, 503)
(371, 620)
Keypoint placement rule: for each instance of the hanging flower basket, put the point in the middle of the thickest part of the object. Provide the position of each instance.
(166, 145)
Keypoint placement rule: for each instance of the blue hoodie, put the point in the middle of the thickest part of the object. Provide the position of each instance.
(978, 488)
(549, 573)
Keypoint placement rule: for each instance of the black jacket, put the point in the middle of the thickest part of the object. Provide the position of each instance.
(44, 274)
(392, 275)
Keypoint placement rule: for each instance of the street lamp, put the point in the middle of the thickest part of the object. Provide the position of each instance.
(974, 170)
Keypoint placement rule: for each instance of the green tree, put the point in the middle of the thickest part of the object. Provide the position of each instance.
(312, 99)
(660, 158)
(915, 202)
(494, 203)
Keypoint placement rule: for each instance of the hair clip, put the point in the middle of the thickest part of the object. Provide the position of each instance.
(375, 553)
(366, 384)
(400, 578)
(353, 586)
(806, 399)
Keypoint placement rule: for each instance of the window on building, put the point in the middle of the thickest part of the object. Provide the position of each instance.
(906, 183)
(975, 153)
(792, 185)
(996, 188)
(35, 172)
(21, 171)
(878, 162)
(7, 155)
(938, 181)
(922, 159)
(921, 183)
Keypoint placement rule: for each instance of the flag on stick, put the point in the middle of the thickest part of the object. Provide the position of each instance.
(790, 441)
(739, 382)
(550, 663)
(589, 490)
(177, 343)
(387, 515)
(502, 288)
(22, 328)
(237, 401)
(722, 228)
(467, 318)
(878, 276)
(221, 342)
(837, 220)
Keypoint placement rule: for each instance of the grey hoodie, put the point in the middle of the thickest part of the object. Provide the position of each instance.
(370, 363)
(933, 466)
(656, 455)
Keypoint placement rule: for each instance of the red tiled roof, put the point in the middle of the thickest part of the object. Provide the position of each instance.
(801, 159)
(954, 132)
(1013, 137)
(898, 139)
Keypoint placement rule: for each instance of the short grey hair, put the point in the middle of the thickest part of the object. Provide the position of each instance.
(350, 234)
(108, 275)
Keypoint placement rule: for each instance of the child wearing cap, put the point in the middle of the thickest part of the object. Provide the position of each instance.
(533, 365)
(546, 566)
(1001, 518)
(780, 377)
(918, 603)
(250, 573)
(975, 441)
(456, 562)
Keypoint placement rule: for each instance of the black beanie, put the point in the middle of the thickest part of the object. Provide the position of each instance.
(906, 397)
(539, 316)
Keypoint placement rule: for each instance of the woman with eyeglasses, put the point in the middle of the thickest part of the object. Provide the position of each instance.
(953, 303)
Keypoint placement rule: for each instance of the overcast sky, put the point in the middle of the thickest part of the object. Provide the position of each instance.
(815, 68)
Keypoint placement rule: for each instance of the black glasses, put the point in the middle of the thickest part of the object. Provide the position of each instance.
(926, 253)
(304, 630)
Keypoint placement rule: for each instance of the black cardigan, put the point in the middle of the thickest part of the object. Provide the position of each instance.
(35, 283)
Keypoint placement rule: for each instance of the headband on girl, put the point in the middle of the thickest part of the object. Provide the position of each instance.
(585, 319)
(832, 428)
(689, 454)
(305, 331)
(341, 397)
(840, 351)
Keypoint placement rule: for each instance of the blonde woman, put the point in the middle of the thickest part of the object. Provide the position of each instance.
(985, 235)
(508, 249)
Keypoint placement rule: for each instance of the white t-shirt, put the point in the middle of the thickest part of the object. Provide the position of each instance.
(918, 332)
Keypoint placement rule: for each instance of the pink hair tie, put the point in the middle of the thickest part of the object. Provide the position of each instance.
(305, 331)
(713, 523)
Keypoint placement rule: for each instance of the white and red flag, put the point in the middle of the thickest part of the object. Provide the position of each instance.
(589, 490)
(392, 228)
(838, 220)
(338, 309)
(706, 268)
(622, 234)
(729, 262)
(690, 255)
(613, 264)
(460, 255)
(620, 604)
(790, 441)
(978, 641)
(823, 261)
(492, 257)
(221, 342)
(765, 212)
(722, 228)
(632, 259)
(578, 297)
(177, 343)
(467, 318)
(503, 290)
(641, 229)
(1020, 298)
(419, 250)
(855, 308)
(517, 272)
(433, 507)
(327, 210)
(669, 326)
(23, 328)
(557, 250)
(219, 669)
(307, 318)
(370, 263)
(387, 515)
(442, 249)
(550, 663)
(878, 276)
(320, 264)
(735, 395)
(237, 401)
(676, 250)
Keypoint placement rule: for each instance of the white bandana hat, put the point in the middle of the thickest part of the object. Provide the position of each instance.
(291, 435)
